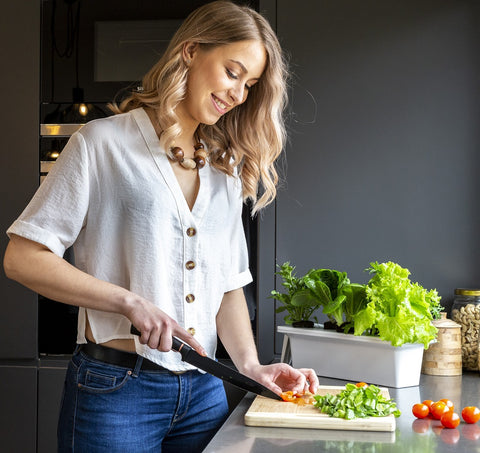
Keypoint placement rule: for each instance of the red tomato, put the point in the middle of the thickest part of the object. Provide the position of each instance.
(420, 410)
(448, 403)
(450, 419)
(428, 403)
(471, 414)
(438, 409)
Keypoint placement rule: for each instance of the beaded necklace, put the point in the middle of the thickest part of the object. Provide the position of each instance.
(176, 154)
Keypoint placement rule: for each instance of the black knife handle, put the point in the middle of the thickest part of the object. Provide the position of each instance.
(177, 345)
(135, 331)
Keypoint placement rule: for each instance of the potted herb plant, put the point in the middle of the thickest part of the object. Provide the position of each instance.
(328, 289)
(382, 327)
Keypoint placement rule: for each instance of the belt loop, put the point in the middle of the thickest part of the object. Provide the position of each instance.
(138, 366)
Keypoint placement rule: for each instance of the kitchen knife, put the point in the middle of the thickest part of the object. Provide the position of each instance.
(216, 369)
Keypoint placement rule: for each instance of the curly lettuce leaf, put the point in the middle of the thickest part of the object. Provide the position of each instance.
(399, 310)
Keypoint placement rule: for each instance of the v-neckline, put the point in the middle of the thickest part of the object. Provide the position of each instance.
(163, 164)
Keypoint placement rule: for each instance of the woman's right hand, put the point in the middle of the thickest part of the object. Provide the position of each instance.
(157, 328)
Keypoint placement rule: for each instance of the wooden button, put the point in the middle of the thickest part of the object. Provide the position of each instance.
(189, 298)
(190, 265)
(191, 330)
(191, 232)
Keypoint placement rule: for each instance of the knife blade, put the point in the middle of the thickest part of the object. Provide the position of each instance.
(217, 369)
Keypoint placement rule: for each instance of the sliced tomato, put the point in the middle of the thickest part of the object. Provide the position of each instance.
(288, 396)
(298, 398)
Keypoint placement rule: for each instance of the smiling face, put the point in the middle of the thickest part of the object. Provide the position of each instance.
(219, 79)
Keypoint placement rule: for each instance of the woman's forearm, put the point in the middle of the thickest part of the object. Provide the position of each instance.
(235, 332)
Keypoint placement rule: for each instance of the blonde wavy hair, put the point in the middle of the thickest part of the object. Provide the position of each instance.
(252, 135)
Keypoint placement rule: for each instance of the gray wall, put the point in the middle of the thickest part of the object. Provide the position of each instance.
(382, 162)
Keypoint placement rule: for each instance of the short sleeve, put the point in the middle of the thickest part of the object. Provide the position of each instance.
(240, 274)
(58, 210)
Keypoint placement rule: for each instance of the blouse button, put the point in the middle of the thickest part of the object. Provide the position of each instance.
(189, 298)
(191, 232)
(191, 330)
(190, 265)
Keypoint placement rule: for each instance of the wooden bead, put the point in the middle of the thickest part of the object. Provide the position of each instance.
(198, 146)
(188, 163)
(177, 153)
(200, 153)
(200, 162)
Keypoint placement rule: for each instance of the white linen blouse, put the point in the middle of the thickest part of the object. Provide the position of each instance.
(113, 195)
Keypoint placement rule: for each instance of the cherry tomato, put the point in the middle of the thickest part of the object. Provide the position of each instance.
(448, 403)
(420, 410)
(428, 403)
(438, 409)
(450, 419)
(361, 384)
(471, 414)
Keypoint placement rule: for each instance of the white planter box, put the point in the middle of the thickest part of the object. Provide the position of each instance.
(354, 358)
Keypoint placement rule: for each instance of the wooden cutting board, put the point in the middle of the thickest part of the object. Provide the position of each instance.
(269, 412)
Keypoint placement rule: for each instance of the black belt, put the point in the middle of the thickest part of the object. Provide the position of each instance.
(119, 358)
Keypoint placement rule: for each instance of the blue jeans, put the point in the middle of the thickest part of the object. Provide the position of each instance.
(111, 409)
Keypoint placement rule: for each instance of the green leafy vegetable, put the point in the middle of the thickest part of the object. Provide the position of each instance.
(356, 402)
(326, 288)
(398, 310)
(299, 300)
(390, 306)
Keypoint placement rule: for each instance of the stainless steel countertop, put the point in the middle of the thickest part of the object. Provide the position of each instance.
(411, 435)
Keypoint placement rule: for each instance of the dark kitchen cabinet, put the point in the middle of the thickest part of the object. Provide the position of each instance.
(20, 54)
(18, 159)
(18, 417)
(51, 376)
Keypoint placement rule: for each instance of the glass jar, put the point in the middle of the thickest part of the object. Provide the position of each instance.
(466, 312)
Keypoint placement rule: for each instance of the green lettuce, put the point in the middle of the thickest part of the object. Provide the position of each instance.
(398, 310)
(356, 402)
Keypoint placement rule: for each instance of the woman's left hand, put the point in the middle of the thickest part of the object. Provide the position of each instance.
(280, 377)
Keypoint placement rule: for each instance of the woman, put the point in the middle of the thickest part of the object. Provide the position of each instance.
(151, 200)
